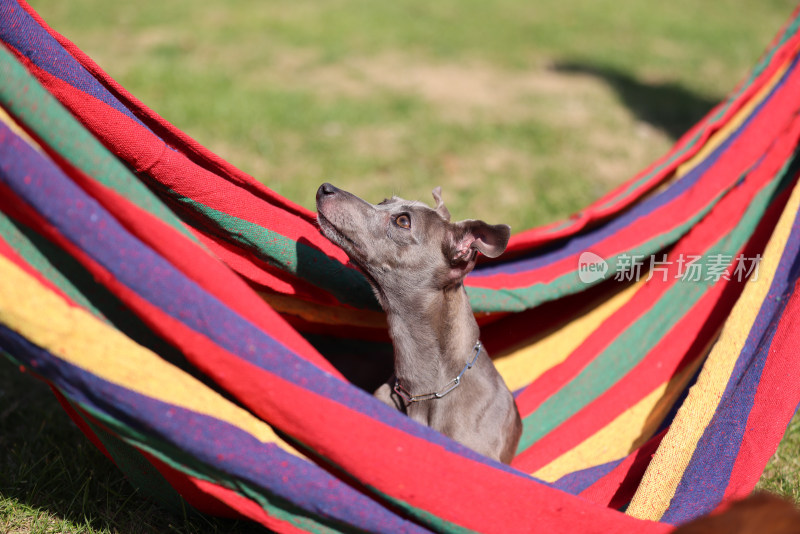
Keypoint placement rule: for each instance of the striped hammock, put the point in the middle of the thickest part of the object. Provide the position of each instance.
(186, 317)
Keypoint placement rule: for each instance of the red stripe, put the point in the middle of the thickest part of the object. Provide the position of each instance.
(775, 402)
(176, 479)
(406, 467)
(380, 456)
(147, 154)
(617, 488)
(199, 266)
(769, 123)
(12, 255)
(80, 422)
(661, 220)
(705, 128)
(720, 221)
(195, 263)
(261, 274)
(201, 495)
(688, 340)
(172, 135)
(509, 331)
(216, 500)
(242, 505)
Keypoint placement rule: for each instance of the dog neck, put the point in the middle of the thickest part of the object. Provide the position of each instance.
(433, 333)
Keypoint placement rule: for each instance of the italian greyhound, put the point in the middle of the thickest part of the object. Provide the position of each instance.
(416, 260)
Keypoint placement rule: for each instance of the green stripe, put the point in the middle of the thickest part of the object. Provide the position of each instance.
(179, 460)
(31, 104)
(68, 275)
(632, 186)
(137, 470)
(432, 521)
(640, 338)
(515, 300)
(350, 286)
(40, 254)
(757, 70)
(304, 261)
(520, 299)
(427, 519)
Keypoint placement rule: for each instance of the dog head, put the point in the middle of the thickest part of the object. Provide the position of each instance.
(403, 244)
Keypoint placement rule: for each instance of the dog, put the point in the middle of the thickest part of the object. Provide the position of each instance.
(415, 260)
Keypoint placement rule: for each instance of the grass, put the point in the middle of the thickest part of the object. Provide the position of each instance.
(499, 98)
(541, 106)
(52, 480)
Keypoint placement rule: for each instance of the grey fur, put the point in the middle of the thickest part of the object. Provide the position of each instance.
(417, 274)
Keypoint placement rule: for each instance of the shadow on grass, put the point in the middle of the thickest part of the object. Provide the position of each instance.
(668, 106)
(51, 475)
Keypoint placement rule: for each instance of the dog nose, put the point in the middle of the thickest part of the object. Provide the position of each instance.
(326, 189)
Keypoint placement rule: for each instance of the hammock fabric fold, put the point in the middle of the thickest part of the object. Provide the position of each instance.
(186, 318)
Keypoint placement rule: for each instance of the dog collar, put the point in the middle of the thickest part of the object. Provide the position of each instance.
(453, 384)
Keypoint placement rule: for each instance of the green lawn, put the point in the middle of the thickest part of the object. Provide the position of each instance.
(539, 106)
(542, 107)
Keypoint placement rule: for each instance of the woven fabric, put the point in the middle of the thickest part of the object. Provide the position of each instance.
(187, 316)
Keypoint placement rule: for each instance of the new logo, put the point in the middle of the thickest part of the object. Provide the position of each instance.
(591, 267)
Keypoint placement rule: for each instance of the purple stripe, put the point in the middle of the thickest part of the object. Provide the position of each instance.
(82, 221)
(215, 447)
(706, 477)
(20, 30)
(586, 241)
(578, 481)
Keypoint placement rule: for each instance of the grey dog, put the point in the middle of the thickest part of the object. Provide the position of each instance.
(416, 260)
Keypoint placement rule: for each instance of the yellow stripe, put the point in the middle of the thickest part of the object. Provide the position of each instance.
(673, 455)
(723, 133)
(625, 433)
(12, 124)
(607, 444)
(524, 365)
(75, 336)
(323, 314)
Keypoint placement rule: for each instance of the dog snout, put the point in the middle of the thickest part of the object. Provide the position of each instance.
(326, 190)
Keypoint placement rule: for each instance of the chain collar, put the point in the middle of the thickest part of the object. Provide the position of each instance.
(453, 384)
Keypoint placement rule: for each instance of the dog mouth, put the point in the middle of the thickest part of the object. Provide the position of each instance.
(353, 249)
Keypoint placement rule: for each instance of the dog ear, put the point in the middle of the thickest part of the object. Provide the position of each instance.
(440, 207)
(471, 235)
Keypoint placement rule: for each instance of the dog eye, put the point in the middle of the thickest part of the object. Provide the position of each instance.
(403, 221)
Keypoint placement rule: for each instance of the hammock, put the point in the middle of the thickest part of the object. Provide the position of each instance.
(186, 318)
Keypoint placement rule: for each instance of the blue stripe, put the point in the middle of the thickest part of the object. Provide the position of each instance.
(86, 224)
(20, 30)
(578, 481)
(216, 447)
(706, 478)
(584, 242)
